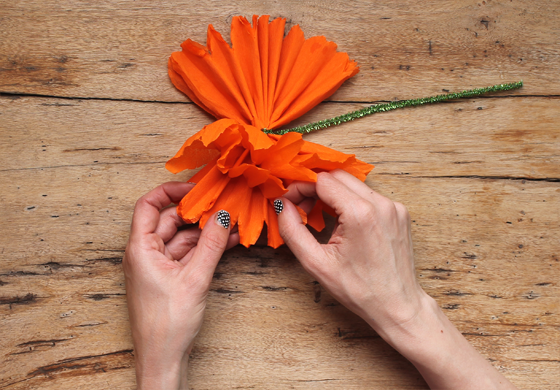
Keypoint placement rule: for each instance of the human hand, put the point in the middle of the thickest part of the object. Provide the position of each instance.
(368, 263)
(168, 274)
(368, 266)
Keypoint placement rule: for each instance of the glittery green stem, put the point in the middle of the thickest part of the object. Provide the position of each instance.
(393, 106)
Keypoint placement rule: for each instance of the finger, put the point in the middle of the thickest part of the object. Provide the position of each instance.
(296, 235)
(168, 224)
(307, 204)
(233, 240)
(182, 243)
(209, 249)
(146, 211)
(356, 185)
(336, 194)
(298, 191)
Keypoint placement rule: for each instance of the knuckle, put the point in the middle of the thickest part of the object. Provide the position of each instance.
(402, 211)
(401, 208)
(362, 209)
(387, 208)
(140, 200)
(386, 204)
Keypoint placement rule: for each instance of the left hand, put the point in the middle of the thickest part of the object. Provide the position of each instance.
(168, 274)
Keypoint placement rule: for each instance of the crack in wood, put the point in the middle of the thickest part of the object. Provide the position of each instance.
(438, 270)
(83, 165)
(33, 345)
(91, 324)
(38, 95)
(90, 149)
(21, 273)
(54, 265)
(111, 260)
(18, 300)
(102, 296)
(456, 293)
(477, 177)
(86, 365)
(271, 288)
(369, 102)
(225, 291)
(255, 273)
(41, 342)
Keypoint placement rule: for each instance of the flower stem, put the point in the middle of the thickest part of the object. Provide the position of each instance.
(393, 106)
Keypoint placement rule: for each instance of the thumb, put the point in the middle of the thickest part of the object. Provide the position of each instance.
(210, 247)
(296, 235)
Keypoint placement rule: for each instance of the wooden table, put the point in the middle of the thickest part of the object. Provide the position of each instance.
(88, 118)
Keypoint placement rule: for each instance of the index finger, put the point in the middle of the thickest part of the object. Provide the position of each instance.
(146, 211)
(328, 188)
(298, 191)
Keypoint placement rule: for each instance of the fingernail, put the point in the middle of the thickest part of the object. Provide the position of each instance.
(278, 206)
(223, 218)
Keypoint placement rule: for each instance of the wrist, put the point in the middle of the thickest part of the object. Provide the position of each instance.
(418, 334)
(439, 351)
(157, 370)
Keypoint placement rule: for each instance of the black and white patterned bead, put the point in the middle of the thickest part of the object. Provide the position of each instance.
(278, 206)
(223, 218)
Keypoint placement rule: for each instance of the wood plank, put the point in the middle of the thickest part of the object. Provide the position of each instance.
(265, 314)
(497, 137)
(486, 247)
(406, 49)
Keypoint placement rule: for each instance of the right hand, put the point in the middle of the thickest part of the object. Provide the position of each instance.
(368, 263)
(368, 266)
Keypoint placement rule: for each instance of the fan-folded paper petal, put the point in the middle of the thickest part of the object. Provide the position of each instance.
(263, 79)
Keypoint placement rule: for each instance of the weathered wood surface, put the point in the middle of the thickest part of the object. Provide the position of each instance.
(481, 178)
(406, 49)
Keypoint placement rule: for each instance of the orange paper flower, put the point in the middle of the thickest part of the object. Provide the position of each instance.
(263, 81)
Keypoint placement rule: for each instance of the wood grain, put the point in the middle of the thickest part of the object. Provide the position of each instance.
(480, 177)
(405, 49)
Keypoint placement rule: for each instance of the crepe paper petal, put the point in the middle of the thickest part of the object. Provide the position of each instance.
(203, 196)
(274, 238)
(248, 174)
(255, 176)
(252, 218)
(204, 171)
(315, 217)
(232, 199)
(273, 188)
(302, 214)
(196, 150)
(262, 81)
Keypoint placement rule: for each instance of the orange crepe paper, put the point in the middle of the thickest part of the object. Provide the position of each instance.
(264, 80)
